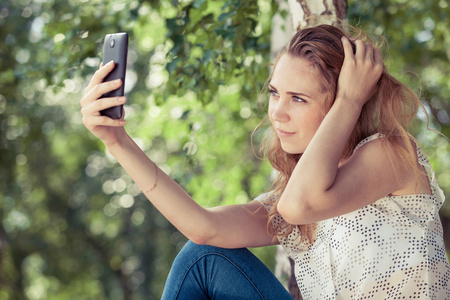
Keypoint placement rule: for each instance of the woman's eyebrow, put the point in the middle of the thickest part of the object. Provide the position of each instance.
(290, 92)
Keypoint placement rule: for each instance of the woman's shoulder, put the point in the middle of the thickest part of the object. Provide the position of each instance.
(404, 155)
(373, 137)
(397, 145)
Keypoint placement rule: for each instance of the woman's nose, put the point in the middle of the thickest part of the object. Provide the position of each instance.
(280, 112)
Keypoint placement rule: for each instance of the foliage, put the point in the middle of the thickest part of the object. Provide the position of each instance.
(73, 225)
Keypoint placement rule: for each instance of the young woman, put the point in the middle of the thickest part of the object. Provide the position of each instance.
(355, 203)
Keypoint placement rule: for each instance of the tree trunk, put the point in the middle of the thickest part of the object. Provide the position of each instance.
(301, 14)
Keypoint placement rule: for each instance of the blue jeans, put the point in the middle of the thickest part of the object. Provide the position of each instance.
(207, 272)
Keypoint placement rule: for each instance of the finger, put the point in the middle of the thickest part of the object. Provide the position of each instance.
(360, 49)
(99, 75)
(369, 52)
(102, 104)
(348, 50)
(378, 58)
(91, 122)
(98, 90)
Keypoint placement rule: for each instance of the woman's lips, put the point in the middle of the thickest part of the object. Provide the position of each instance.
(284, 134)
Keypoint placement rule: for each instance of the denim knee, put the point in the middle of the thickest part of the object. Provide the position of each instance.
(208, 272)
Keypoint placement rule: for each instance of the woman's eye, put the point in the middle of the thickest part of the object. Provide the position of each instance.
(273, 93)
(298, 99)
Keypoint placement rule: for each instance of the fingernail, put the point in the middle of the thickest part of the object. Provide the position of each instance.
(110, 62)
(117, 81)
(121, 99)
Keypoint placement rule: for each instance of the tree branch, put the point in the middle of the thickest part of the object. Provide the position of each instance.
(341, 8)
(327, 10)
(305, 8)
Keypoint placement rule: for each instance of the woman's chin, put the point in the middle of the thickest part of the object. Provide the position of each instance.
(291, 150)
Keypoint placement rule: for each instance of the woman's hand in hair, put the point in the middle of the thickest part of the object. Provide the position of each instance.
(360, 72)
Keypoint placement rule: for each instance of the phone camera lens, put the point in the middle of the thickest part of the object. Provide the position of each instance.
(112, 43)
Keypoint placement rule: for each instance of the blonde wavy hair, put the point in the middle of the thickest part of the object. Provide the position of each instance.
(390, 111)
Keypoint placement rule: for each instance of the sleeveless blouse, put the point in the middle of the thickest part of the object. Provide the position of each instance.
(392, 248)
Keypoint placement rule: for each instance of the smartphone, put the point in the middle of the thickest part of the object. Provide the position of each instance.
(115, 47)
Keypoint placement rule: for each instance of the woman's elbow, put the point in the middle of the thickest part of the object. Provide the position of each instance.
(199, 238)
(293, 213)
(203, 235)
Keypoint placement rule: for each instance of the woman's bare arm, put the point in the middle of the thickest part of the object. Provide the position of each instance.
(319, 187)
(228, 226)
(231, 226)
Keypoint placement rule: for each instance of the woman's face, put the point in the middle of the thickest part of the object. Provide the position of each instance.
(295, 109)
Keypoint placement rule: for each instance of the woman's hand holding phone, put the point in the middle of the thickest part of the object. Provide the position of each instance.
(109, 130)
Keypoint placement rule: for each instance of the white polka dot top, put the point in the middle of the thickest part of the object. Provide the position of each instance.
(390, 249)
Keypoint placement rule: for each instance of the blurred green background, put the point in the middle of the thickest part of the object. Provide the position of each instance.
(73, 224)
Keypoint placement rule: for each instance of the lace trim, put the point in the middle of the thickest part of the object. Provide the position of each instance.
(368, 139)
